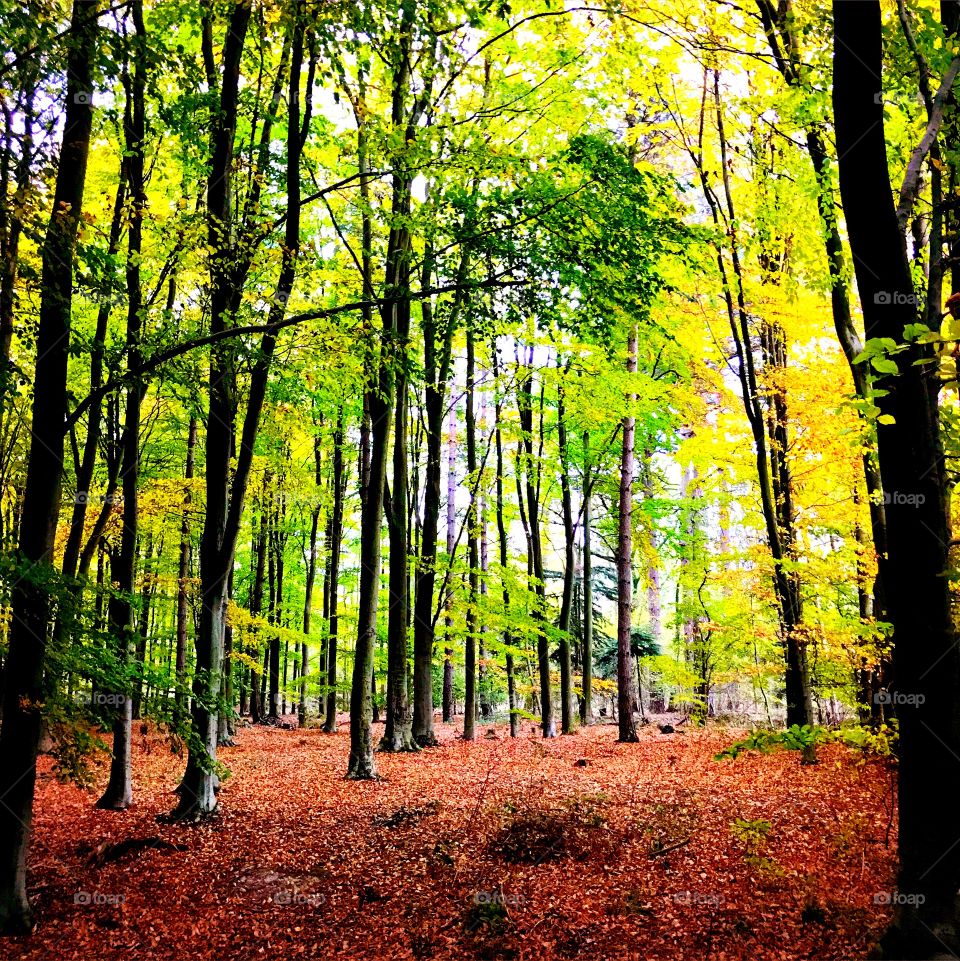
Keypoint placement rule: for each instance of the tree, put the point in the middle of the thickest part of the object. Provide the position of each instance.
(32, 595)
(926, 657)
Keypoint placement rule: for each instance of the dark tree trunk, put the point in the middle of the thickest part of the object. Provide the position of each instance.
(183, 575)
(308, 590)
(255, 603)
(225, 719)
(449, 705)
(24, 688)
(926, 657)
(380, 403)
(504, 558)
(119, 791)
(785, 581)
(625, 694)
(225, 496)
(436, 367)
(333, 577)
(470, 640)
(569, 571)
(534, 541)
(781, 35)
(398, 735)
(586, 705)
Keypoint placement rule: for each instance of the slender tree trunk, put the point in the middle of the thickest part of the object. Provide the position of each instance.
(225, 719)
(225, 497)
(470, 641)
(567, 709)
(436, 366)
(141, 659)
(779, 28)
(380, 402)
(30, 600)
(534, 541)
(449, 706)
(333, 583)
(119, 791)
(586, 707)
(398, 735)
(255, 603)
(183, 574)
(308, 595)
(504, 558)
(627, 728)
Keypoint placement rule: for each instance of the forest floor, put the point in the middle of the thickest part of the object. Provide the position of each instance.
(501, 849)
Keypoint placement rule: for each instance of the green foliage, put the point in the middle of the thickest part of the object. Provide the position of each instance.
(751, 834)
(794, 738)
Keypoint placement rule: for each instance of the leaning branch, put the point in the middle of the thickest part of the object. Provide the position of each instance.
(911, 179)
(165, 356)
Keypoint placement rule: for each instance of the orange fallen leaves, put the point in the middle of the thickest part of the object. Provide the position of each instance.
(302, 863)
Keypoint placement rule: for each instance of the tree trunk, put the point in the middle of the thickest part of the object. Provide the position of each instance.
(225, 497)
(118, 794)
(398, 735)
(504, 557)
(926, 659)
(449, 706)
(470, 641)
(24, 688)
(255, 602)
(567, 708)
(586, 707)
(308, 595)
(627, 728)
(333, 580)
(183, 574)
(534, 540)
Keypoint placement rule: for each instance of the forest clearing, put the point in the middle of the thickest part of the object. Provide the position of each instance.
(507, 848)
(477, 479)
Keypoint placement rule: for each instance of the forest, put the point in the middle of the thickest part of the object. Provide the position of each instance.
(476, 479)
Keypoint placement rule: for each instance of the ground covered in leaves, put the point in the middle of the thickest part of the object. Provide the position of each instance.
(501, 849)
